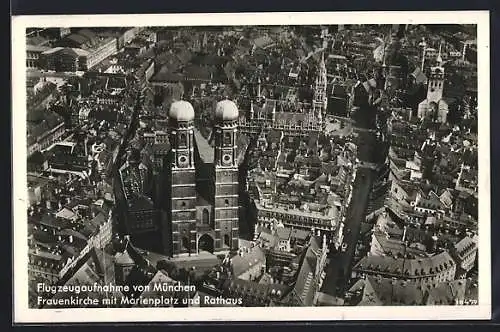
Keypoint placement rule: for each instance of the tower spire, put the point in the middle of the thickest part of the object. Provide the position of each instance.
(439, 57)
(383, 51)
(320, 94)
(424, 46)
(258, 88)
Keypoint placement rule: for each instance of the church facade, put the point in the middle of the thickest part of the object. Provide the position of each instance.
(201, 206)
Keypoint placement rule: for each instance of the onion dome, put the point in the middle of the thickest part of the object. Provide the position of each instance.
(226, 110)
(181, 111)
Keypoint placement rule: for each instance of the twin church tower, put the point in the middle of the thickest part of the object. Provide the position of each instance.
(201, 205)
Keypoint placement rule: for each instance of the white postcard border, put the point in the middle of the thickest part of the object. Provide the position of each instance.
(22, 314)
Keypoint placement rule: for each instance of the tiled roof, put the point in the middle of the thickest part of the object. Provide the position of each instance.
(65, 214)
(77, 38)
(395, 247)
(71, 232)
(241, 264)
(244, 287)
(159, 278)
(36, 48)
(463, 246)
(453, 292)
(50, 220)
(386, 265)
(283, 233)
(303, 288)
(391, 292)
(141, 203)
(99, 219)
(206, 151)
(123, 258)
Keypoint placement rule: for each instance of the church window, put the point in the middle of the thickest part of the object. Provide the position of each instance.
(227, 138)
(185, 242)
(182, 140)
(226, 202)
(205, 217)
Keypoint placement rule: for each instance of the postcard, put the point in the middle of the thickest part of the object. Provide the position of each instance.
(251, 167)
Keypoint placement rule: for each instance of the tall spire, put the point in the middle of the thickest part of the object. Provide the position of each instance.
(127, 241)
(424, 47)
(320, 99)
(258, 88)
(384, 45)
(439, 58)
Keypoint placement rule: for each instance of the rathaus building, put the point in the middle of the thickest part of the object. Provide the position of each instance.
(294, 118)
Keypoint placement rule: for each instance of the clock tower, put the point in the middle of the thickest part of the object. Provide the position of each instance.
(180, 236)
(435, 84)
(226, 204)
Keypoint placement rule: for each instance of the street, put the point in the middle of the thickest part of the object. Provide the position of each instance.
(338, 271)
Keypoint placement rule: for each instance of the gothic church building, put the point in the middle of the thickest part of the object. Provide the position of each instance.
(200, 196)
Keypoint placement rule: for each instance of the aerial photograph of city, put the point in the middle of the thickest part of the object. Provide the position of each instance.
(252, 166)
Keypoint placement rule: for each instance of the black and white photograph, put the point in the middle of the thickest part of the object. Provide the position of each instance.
(296, 166)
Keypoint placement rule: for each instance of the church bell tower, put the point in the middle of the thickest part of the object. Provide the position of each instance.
(180, 236)
(435, 84)
(226, 202)
(436, 81)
